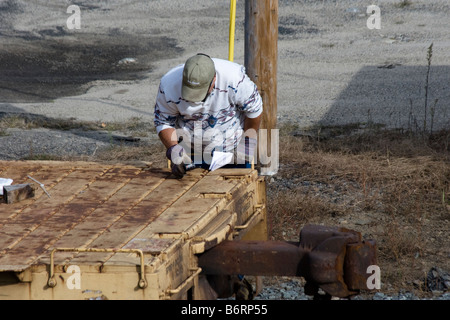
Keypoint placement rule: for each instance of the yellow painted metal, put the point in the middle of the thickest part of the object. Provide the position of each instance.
(232, 29)
(185, 283)
(142, 282)
(252, 219)
(101, 215)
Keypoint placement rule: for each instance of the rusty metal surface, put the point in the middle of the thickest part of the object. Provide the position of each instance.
(357, 258)
(80, 192)
(96, 205)
(328, 246)
(263, 258)
(334, 259)
(96, 215)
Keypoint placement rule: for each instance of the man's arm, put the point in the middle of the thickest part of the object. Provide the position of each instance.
(168, 137)
(252, 123)
(249, 101)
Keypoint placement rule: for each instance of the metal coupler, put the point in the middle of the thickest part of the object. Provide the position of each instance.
(331, 258)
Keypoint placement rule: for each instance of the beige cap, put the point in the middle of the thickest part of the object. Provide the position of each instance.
(198, 73)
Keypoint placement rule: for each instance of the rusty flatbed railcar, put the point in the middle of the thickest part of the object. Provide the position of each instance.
(109, 231)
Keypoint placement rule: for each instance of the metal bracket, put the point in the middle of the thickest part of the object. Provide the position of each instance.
(185, 282)
(259, 209)
(142, 282)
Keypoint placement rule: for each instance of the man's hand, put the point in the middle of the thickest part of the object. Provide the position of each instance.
(179, 159)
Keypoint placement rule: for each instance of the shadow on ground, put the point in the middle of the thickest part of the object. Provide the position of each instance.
(56, 65)
(394, 96)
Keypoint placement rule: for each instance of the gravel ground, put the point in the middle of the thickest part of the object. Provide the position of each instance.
(332, 69)
(292, 289)
(67, 144)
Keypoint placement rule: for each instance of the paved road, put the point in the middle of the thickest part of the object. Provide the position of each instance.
(333, 69)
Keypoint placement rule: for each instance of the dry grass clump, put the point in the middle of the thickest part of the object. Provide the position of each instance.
(28, 122)
(289, 210)
(134, 125)
(391, 186)
(14, 121)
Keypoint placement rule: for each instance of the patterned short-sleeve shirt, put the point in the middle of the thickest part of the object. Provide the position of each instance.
(220, 118)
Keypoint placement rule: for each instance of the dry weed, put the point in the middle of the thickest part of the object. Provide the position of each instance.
(391, 186)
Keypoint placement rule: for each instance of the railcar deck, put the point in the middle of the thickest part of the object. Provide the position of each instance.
(120, 231)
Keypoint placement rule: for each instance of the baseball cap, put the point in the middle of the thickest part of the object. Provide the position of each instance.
(198, 73)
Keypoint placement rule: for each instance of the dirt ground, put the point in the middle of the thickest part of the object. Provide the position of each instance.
(390, 186)
(332, 69)
(351, 106)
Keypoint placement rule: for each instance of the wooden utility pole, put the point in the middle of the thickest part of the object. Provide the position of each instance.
(261, 55)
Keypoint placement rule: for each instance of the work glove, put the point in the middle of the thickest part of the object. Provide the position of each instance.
(245, 150)
(179, 159)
